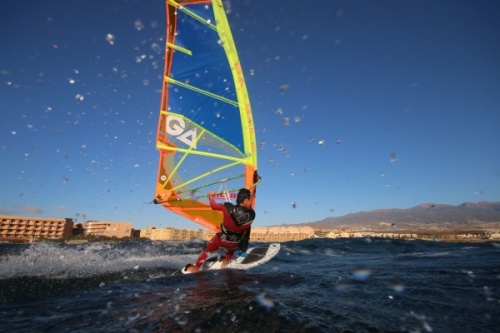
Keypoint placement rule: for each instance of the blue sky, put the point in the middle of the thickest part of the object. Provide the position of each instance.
(358, 105)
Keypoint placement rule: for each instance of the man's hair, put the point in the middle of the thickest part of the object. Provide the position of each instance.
(242, 195)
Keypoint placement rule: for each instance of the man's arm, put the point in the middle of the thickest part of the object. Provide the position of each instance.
(214, 205)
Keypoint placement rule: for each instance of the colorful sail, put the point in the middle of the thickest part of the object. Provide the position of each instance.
(206, 135)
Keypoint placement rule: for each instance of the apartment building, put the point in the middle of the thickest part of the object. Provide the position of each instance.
(281, 234)
(169, 234)
(22, 228)
(108, 228)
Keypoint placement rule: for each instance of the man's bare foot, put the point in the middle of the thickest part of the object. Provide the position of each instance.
(224, 263)
(190, 268)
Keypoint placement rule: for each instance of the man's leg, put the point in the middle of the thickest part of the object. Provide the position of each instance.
(212, 246)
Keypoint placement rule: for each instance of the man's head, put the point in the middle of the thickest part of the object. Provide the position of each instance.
(243, 194)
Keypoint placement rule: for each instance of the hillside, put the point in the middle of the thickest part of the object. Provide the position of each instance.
(481, 215)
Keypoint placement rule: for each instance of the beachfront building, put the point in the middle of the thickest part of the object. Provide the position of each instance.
(171, 234)
(281, 234)
(24, 229)
(207, 234)
(108, 229)
(146, 233)
(365, 234)
(495, 234)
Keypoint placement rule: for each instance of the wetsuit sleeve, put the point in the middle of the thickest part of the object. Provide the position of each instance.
(243, 245)
(214, 205)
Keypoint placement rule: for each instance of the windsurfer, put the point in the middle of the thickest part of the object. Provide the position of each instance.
(234, 230)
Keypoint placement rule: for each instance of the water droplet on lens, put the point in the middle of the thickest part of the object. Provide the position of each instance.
(398, 288)
(362, 274)
(138, 25)
(264, 301)
(110, 39)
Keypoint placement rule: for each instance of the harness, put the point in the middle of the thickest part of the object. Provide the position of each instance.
(241, 216)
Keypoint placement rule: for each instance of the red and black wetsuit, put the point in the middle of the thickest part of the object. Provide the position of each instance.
(236, 223)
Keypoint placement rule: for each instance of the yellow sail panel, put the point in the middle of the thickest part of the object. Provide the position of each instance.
(206, 136)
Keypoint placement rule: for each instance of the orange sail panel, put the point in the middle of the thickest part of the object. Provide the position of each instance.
(206, 135)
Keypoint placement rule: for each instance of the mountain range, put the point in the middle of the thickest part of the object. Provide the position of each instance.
(481, 215)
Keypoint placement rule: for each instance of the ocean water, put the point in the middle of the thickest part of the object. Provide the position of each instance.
(318, 285)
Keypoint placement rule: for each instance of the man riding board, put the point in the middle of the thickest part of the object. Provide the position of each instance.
(234, 230)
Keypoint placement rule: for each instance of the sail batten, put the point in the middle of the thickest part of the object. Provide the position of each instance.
(206, 136)
(201, 91)
(179, 48)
